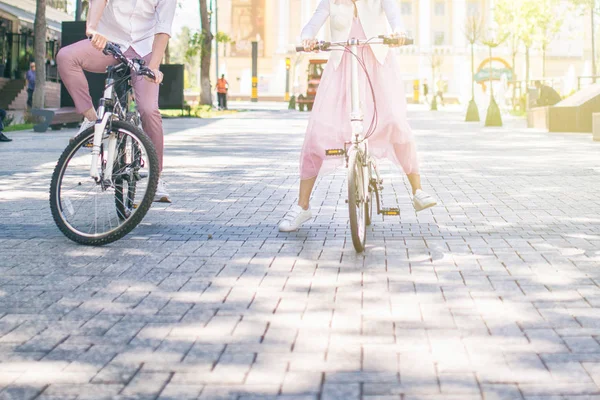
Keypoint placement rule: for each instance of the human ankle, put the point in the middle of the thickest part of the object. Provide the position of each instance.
(304, 206)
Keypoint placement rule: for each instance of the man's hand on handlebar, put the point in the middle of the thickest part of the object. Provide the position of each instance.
(158, 76)
(98, 41)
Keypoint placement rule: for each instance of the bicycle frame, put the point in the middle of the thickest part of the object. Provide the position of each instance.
(358, 142)
(109, 103)
(99, 127)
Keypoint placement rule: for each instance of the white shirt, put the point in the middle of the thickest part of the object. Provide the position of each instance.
(135, 22)
(376, 16)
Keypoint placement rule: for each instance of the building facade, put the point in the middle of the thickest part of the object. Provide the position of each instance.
(436, 25)
(16, 35)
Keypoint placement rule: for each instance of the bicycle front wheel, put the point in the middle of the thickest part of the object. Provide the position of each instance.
(100, 211)
(357, 202)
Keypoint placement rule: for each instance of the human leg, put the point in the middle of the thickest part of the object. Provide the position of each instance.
(72, 60)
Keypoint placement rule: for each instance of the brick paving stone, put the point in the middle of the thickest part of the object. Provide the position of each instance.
(493, 294)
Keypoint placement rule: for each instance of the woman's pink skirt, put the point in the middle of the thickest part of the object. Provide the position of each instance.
(329, 123)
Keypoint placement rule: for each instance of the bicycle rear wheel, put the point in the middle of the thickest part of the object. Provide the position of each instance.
(357, 204)
(97, 212)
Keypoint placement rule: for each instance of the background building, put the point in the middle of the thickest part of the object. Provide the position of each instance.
(16, 51)
(436, 25)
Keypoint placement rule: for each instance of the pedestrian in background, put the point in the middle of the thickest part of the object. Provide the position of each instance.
(30, 77)
(547, 95)
(222, 87)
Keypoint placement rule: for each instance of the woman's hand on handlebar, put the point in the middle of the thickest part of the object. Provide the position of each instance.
(98, 41)
(310, 44)
(400, 39)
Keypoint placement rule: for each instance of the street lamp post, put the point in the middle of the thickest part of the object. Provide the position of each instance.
(493, 116)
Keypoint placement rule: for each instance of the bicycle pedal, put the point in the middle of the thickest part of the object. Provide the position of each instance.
(389, 211)
(335, 152)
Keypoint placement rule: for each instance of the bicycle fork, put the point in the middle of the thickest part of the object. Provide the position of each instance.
(99, 128)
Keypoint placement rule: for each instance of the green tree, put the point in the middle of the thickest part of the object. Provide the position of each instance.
(473, 33)
(180, 46)
(591, 7)
(506, 13)
(201, 42)
(549, 24)
(518, 21)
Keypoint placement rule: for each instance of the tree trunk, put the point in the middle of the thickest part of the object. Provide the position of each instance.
(526, 67)
(205, 56)
(78, 9)
(168, 54)
(39, 47)
(514, 91)
(544, 61)
(472, 71)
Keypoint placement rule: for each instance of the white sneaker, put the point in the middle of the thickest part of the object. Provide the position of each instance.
(294, 218)
(422, 200)
(161, 195)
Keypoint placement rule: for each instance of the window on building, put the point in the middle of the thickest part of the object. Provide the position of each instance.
(438, 38)
(406, 8)
(473, 8)
(440, 8)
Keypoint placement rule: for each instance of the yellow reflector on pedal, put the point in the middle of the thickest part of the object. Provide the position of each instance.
(335, 152)
(391, 211)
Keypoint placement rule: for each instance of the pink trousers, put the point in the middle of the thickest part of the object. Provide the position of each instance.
(82, 56)
(329, 125)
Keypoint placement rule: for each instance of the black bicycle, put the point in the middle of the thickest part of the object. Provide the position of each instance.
(105, 180)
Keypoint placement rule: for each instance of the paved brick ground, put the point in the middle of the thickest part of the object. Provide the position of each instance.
(494, 294)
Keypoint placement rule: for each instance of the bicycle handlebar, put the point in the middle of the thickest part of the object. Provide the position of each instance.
(382, 39)
(114, 50)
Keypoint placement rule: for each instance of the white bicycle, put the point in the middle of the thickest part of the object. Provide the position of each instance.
(364, 182)
(104, 182)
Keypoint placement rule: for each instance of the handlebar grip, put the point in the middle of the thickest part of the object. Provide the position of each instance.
(396, 41)
(148, 72)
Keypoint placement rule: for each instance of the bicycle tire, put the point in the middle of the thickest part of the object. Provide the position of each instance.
(141, 210)
(356, 202)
